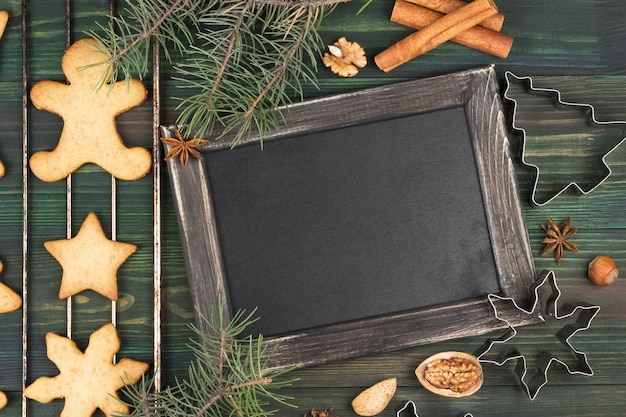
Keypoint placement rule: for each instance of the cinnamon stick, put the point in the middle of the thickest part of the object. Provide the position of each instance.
(407, 13)
(435, 34)
(448, 6)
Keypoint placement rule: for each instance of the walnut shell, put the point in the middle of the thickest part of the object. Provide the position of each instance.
(451, 374)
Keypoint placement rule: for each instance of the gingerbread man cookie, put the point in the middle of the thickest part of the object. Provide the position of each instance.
(89, 132)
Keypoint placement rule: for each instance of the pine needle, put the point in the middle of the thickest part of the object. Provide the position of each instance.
(227, 377)
(236, 62)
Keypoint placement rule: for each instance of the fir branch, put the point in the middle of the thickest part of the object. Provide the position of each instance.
(222, 354)
(236, 61)
(227, 377)
(228, 393)
(144, 35)
(229, 51)
(280, 70)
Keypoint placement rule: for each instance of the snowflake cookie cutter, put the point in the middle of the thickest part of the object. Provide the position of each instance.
(558, 102)
(586, 313)
(413, 409)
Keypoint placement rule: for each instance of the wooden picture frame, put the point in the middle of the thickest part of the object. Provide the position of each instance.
(476, 93)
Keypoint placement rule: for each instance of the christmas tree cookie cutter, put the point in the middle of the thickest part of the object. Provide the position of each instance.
(586, 313)
(587, 109)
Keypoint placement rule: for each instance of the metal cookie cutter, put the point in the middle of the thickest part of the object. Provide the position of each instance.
(588, 109)
(411, 405)
(586, 313)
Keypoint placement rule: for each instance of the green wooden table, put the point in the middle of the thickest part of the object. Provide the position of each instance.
(575, 46)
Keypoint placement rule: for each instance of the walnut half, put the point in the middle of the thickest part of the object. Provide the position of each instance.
(345, 58)
(451, 374)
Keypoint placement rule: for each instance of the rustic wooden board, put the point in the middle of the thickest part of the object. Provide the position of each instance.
(574, 46)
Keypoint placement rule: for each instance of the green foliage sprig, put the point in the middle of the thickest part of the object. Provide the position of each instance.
(227, 378)
(236, 60)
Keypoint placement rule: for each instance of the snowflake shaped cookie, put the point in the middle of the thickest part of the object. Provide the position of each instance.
(87, 381)
(9, 301)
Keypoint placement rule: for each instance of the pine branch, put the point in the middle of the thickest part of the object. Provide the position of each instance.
(222, 354)
(149, 32)
(228, 393)
(280, 70)
(227, 377)
(236, 61)
(229, 51)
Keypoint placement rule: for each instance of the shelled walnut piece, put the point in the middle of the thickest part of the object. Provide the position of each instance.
(451, 374)
(345, 58)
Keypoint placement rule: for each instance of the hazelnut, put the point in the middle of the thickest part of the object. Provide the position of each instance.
(602, 270)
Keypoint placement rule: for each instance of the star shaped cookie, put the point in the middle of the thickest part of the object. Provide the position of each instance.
(87, 381)
(89, 260)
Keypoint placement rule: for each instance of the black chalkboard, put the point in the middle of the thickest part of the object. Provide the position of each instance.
(377, 219)
(352, 223)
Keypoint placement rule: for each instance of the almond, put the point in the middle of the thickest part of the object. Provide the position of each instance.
(375, 399)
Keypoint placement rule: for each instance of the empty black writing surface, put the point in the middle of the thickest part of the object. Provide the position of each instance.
(354, 222)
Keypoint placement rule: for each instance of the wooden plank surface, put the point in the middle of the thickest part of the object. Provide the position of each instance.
(575, 46)
(558, 45)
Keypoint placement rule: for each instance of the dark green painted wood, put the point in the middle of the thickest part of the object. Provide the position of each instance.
(574, 46)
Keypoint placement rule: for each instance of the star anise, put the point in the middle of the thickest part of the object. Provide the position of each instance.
(558, 238)
(183, 148)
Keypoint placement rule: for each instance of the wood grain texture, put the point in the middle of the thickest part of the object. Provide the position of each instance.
(575, 46)
(47, 215)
